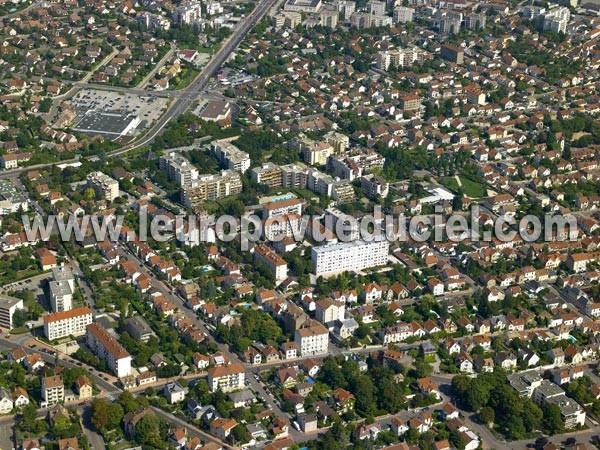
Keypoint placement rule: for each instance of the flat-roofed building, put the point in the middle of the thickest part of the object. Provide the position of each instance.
(352, 256)
(139, 329)
(103, 185)
(230, 156)
(8, 306)
(268, 174)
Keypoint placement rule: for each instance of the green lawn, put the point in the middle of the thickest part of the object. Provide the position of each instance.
(471, 188)
(186, 77)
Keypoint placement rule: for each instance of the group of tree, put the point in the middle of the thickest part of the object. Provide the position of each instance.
(497, 403)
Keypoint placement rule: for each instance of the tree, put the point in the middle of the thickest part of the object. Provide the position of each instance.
(20, 317)
(100, 418)
(239, 434)
(148, 431)
(552, 421)
(486, 415)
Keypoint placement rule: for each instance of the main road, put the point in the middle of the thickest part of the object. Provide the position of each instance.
(188, 95)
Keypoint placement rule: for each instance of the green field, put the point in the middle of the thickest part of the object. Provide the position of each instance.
(471, 188)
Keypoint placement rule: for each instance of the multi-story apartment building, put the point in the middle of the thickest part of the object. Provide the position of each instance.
(211, 187)
(475, 21)
(313, 152)
(283, 207)
(188, 13)
(103, 185)
(374, 185)
(179, 169)
(226, 378)
(268, 174)
(230, 156)
(106, 347)
(272, 260)
(400, 58)
(354, 256)
(153, 21)
(345, 7)
(312, 338)
(306, 6)
(403, 14)
(350, 167)
(11, 200)
(67, 323)
(294, 175)
(556, 20)
(8, 306)
(53, 389)
(62, 289)
(452, 53)
(376, 7)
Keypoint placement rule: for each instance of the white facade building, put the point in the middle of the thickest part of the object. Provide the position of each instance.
(339, 257)
(67, 323)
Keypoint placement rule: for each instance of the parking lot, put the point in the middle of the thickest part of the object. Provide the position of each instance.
(147, 108)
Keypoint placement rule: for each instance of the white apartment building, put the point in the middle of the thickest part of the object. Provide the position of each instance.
(556, 20)
(179, 169)
(53, 389)
(67, 323)
(403, 14)
(312, 338)
(8, 306)
(345, 7)
(399, 58)
(11, 200)
(188, 13)
(283, 207)
(106, 347)
(62, 289)
(277, 227)
(103, 185)
(272, 260)
(351, 256)
(230, 156)
(226, 378)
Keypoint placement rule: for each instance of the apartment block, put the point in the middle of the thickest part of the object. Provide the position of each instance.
(230, 156)
(226, 378)
(103, 185)
(283, 207)
(8, 306)
(312, 338)
(62, 289)
(67, 323)
(188, 13)
(399, 58)
(352, 256)
(272, 260)
(53, 389)
(211, 187)
(179, 169)
(294, 175)
(106, 347)
(452, 53)
(403, 14)
(268, 174)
